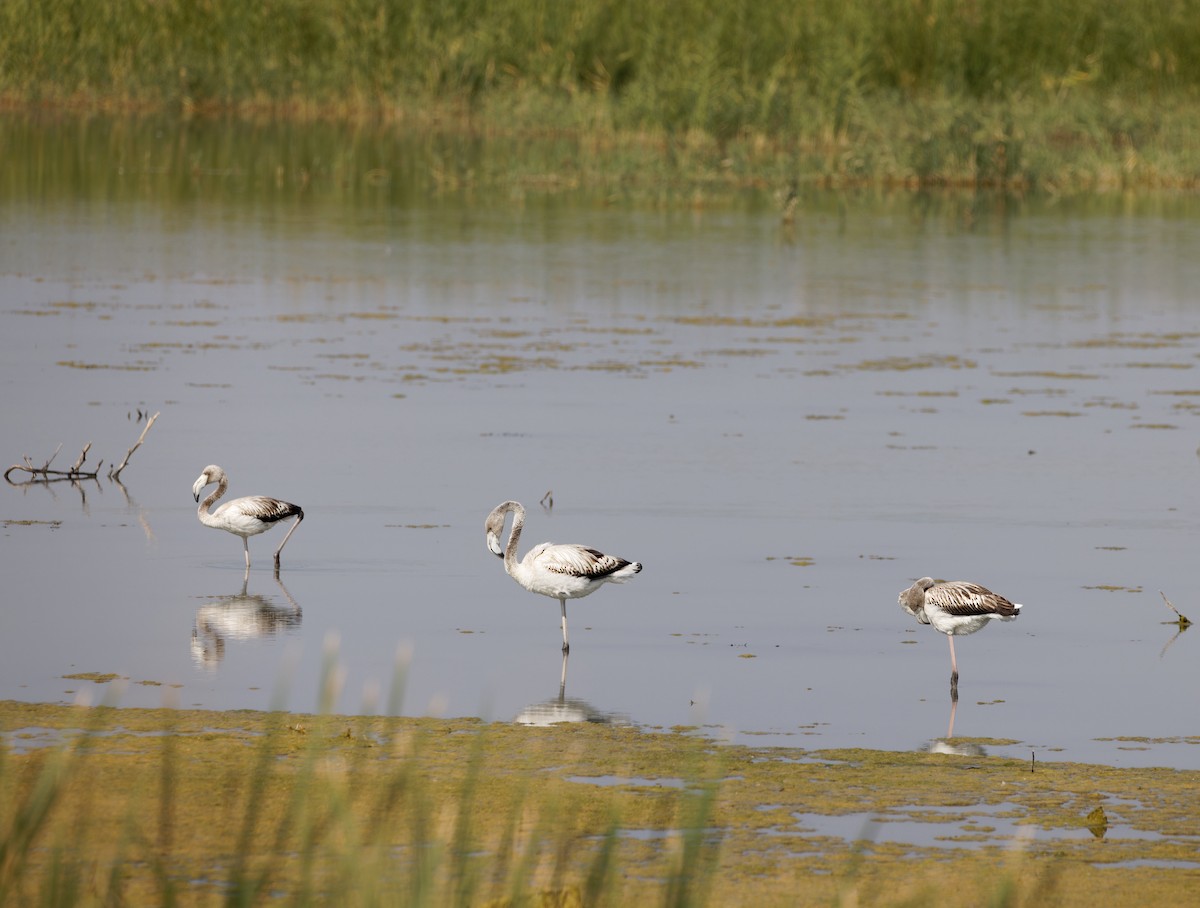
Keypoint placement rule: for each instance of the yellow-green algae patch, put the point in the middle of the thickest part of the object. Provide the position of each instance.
(1046, 373)
(97, 677)
(124, 367)
(185, 806)
(904, 363)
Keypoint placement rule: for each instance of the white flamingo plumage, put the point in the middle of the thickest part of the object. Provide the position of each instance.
(243, 517)
(955, 608)
(561, 572)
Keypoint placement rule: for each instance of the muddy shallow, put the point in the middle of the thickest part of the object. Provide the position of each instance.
(786, 425)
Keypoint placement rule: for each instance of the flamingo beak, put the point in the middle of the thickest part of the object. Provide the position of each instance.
(493, 544)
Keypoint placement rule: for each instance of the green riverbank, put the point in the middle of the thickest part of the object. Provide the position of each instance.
(111, 806)
(1068, 97)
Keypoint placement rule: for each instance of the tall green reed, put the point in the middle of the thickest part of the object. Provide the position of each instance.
(1065, 96)
(691, 64)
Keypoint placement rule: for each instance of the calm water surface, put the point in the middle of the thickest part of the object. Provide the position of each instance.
(786, 425)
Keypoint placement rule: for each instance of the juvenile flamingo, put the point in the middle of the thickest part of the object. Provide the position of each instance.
(561, 572)
(955, 608)
(243, 517)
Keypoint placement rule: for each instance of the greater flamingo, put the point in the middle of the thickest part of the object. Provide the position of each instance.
(243, 517)
(955, 608)
(561, 572)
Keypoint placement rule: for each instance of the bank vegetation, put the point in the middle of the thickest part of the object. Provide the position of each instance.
(1019, 94)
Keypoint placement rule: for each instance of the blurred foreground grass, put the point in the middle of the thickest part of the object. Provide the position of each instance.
(102, 806)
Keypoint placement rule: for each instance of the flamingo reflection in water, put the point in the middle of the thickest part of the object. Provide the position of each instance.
(242, 616)
(563, 709)
(948, 745)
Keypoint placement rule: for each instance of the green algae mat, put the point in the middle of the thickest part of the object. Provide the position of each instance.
(129, 806)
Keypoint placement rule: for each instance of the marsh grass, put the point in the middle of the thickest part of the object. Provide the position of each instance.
(1080, 94)
(347, 812)
(104, 806)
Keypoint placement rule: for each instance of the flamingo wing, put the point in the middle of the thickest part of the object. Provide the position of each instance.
(577, 560)
(259, 507)
(964, 599)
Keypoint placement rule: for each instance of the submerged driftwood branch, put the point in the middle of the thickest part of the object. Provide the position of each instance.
(76, 471)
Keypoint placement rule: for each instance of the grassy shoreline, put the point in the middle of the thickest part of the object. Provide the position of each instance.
(1073, 97)
(102, 805)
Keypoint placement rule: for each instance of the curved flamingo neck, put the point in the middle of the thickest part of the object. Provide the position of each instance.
(514, 537)
(222, 486)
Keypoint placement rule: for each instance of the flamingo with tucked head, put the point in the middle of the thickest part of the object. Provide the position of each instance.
(955, 608)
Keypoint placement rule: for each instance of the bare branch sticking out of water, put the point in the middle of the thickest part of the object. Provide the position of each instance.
(115, 475)
(1182, 619)
(82, 457)
(548, 500)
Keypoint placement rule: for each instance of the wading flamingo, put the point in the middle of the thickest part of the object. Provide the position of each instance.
(955, 608)
(243, 517)
(561, 572)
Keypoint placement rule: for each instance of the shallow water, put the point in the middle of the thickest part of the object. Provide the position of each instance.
(785, 424)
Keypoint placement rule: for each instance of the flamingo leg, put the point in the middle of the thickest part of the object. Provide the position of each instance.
(285, 539)
(246, 546)
(953, 670)
(563, 605)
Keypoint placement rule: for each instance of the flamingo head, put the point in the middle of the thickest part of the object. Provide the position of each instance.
(912, 600)
(212, 473)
